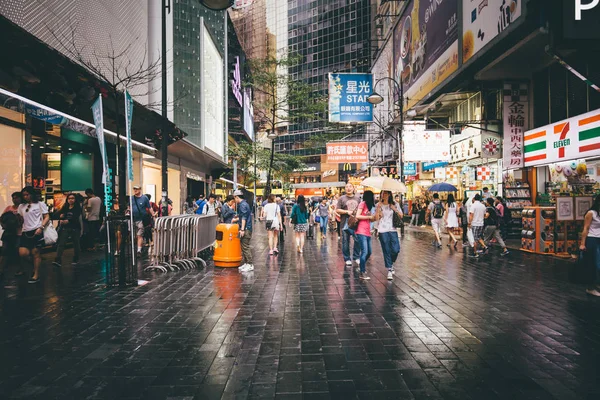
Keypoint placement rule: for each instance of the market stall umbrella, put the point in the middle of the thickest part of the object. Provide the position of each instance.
(442, 187)
(384, 183)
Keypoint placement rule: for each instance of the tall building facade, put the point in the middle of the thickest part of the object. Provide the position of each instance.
(330, 35)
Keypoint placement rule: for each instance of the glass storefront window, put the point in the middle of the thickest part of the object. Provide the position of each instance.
(11, 163)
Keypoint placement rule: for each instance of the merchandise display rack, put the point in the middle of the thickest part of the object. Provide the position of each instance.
(516, 198)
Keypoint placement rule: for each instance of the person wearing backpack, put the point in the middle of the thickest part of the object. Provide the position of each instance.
(492, 229)
(505, 216)
(435, 210)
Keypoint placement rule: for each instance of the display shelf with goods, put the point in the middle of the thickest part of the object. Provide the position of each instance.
(516, 198)
(538, 233)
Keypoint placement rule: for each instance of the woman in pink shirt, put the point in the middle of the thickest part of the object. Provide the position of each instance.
(363, 232)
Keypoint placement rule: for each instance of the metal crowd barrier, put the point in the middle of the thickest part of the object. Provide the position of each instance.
(178, 240)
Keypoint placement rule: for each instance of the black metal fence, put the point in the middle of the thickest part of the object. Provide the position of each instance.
(120, 267)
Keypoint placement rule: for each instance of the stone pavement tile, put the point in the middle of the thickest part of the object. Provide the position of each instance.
(447, 327)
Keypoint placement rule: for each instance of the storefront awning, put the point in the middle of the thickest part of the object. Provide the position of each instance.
(317, 185)
(33, 70)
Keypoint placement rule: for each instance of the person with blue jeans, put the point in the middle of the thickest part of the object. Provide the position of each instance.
(323, 213)
(363, 232)
(245, 222)
(590, 244)
(388, 238)
(346, 205)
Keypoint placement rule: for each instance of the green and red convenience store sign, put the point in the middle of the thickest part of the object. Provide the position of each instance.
(570, 139)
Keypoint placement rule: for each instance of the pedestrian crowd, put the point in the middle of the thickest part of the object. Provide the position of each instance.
(27, 227)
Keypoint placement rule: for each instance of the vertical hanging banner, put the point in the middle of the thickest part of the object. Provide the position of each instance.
(128, 116)
(516, 122)
(99, 122)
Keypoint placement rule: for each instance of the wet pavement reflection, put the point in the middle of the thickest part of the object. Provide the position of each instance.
(305, 326)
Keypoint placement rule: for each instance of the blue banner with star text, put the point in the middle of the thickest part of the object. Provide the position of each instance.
(348, 94)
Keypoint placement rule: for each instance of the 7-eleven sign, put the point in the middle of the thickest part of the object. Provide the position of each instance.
(573, 138)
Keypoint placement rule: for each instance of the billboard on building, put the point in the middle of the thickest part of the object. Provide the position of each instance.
(423, 145)
(347, 152)
(248, 113)
(213, 96)
(483, 20)
(571, 139)
(348, 94)
(426, 47)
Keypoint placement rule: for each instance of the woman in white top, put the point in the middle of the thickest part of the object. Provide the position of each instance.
(272, 213)
(388, 237)
(452, 223)
(590, 243)
(35, 219)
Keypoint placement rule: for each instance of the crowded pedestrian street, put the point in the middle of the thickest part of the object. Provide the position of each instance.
(305, 326)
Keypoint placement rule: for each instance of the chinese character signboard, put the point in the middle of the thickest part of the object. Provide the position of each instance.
(425, 47)
(483, 20)
(421, 145)
(571, 139)
(428, 166)
(347, 152)
(410, 169)
(516, 121)
(348, 95)
(44, 115)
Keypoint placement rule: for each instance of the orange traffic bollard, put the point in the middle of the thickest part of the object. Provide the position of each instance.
(228, 249)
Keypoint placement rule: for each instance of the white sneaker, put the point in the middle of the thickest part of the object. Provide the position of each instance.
(348, 262)
(393, 271)
(243, 266)
(357, 261)
(593, 292)
(246, 268)
(390, 276)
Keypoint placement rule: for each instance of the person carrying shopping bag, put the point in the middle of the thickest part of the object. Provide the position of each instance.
(390, 244)
(271, 213)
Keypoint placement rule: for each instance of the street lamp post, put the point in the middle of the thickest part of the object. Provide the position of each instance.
(376, 98)
(272, 135)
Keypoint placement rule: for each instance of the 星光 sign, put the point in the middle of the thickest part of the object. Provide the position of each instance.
(348, 94)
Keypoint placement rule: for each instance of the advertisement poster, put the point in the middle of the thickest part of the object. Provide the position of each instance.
(347, 152)
(483, 20)
(427, 146)
(348, 95)
(426, 47)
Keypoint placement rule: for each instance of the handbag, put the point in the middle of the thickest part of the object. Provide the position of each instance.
(50, 234)
(353, 221)
(317, 219)
(397, 221)
(470, 237)
(269, 224)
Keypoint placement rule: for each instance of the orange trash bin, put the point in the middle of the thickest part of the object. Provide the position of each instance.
(228, 249)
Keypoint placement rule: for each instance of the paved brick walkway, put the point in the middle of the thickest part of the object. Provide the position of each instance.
(447, 327)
